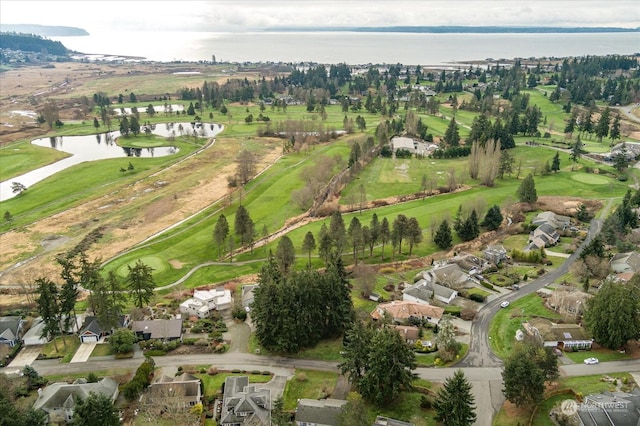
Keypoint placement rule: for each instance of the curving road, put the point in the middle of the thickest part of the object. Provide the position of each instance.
(484, 369)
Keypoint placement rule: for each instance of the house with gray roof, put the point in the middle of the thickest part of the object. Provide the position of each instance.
(58, 400)
(10, 330)
(183, 391)
(610, 409)
(386, 421)
(319, 412)
(556, 221)
(92, 331)
(625, 262)
(162, 329)
(495, 254)
(424, 290)
(243, 404)
(33, 336)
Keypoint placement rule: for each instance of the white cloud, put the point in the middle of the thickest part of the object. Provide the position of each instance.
(243, 15)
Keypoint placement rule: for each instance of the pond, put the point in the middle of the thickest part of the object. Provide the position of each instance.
(100, 147)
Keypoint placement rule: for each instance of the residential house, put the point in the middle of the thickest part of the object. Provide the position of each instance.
(425, 290)
(625, 262)
(33, 336)
(243, 404)
(247, 295)
(162, 329)
(561, 336)
(386, 421)
(468, 263)
(610, 409)
(409, 333)
(204, 302)
(401, 311)
(319, 412)
(450, 275)
(495, 254)
(10, 330)
(543, 236)
(59, 399)
(556, 221)
(182, 391)
(568, 301)
(92, 331)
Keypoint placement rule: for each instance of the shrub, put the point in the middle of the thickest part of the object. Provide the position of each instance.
(477, 297)
(425, 402)
(156, 352)
(487, 285)
(453, 310)
(468, 314)
(212, 371)
(301, 377)
(92, 377)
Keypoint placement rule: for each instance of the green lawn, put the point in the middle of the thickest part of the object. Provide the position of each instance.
(66, 348)
(503, 326)
(603, 355)
(103, 349)
(213, 384)
(308, 384)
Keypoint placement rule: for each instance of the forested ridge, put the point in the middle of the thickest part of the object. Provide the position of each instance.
(31, 43)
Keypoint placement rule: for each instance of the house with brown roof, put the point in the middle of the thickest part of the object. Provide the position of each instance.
(401, 311)
(409, 333)
(561, 336)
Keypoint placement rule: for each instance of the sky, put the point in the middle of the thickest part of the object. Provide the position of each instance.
(251, 15)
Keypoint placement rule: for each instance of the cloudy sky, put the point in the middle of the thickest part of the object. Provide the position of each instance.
(248, 15)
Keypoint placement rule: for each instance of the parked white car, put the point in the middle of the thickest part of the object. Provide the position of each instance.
(590, 361)
(504, 304)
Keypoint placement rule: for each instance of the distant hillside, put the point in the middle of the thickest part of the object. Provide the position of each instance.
(31, 43)
(44, 30)
(462, 30)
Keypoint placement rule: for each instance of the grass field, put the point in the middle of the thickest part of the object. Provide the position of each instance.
(506, 321)
(308, 384)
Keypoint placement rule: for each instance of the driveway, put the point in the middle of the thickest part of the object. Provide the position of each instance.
(84, 352)
(275, 386)
(238, 333)
(26, 356)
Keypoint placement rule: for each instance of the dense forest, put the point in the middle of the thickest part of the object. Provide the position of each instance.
(31, 43)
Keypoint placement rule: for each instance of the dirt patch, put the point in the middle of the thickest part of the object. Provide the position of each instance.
(176, 264)
(567, 206)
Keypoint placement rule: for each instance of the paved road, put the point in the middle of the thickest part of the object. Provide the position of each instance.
(487, 385)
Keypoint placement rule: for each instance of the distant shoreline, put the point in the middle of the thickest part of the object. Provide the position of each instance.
(459, 30)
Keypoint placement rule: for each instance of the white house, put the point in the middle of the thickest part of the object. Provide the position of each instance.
(205, 301)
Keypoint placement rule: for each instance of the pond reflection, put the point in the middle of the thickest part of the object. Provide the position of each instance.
(103, 146)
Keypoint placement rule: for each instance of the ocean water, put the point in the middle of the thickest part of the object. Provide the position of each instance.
(350, 47)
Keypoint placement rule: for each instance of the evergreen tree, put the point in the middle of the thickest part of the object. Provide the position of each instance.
(400, 230)
(221, 232)
(355, 234)
(337, 231)
(493, 218)
(576, 151)
(69, 292)
(140, 283)
(614, 133)
(443, 237)
(414, 233)
(385, 234)
(244, 227)
(285, 254)
(454, 402)
(612, 315)
(309, 244)
(602, 126)
(49, 308)
(374, 227)
(379, 363)
(527, 190)
(555, 164)
(470, 228)
(95, 410)
(525, 372)
(452, 136)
